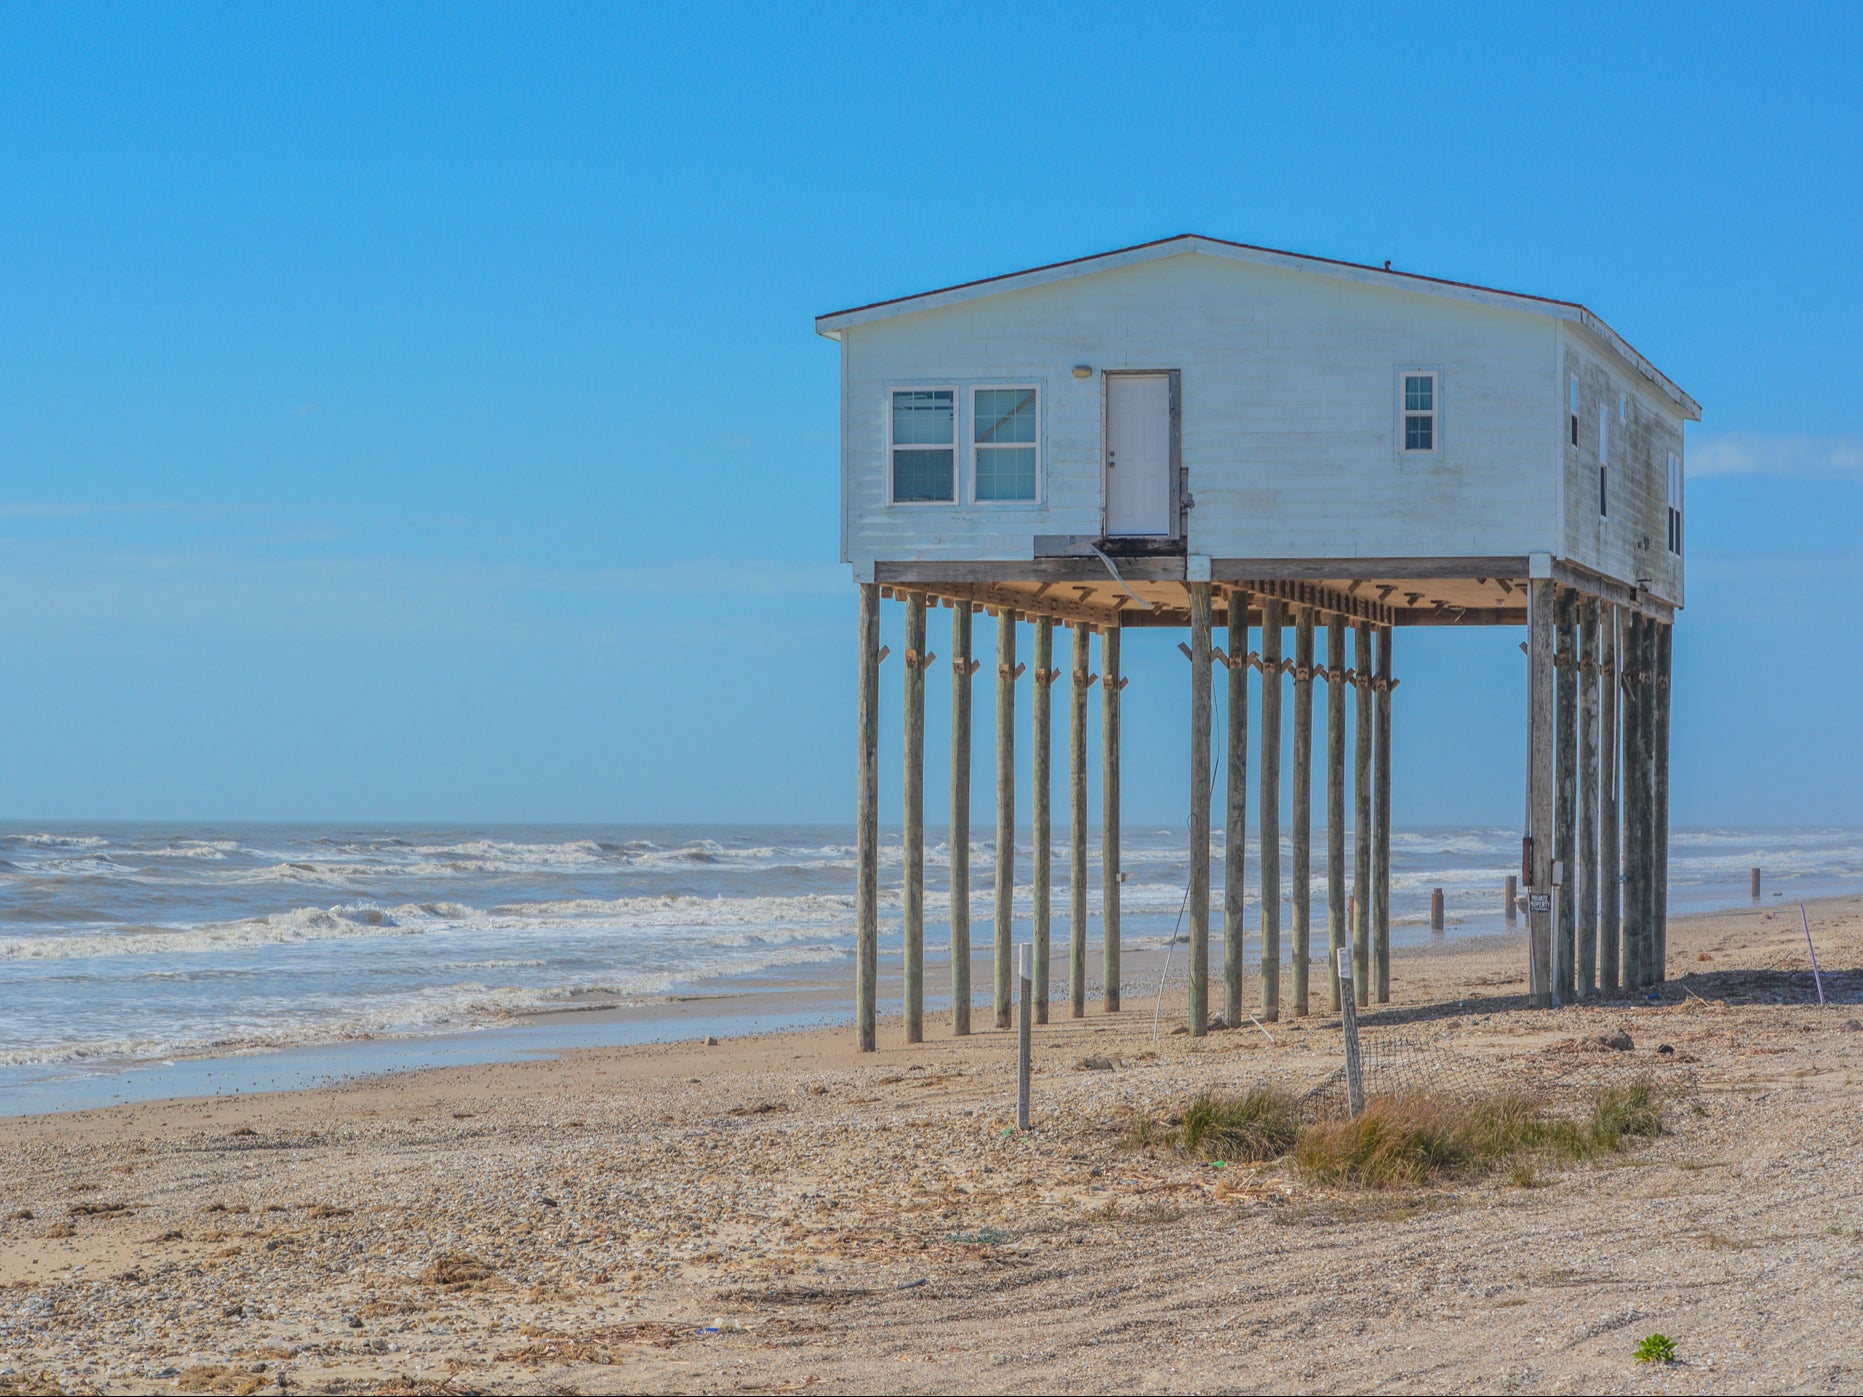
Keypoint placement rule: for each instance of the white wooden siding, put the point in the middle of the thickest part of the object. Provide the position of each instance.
(1290, 431)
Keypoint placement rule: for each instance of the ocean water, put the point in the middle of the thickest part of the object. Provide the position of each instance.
(142, 944)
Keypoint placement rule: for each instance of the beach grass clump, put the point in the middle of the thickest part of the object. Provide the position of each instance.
(1261, 1124)
(1656, 1348)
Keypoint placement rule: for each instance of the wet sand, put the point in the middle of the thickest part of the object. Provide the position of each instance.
(779, 1213)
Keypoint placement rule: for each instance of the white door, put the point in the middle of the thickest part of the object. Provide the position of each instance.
(1138, 454)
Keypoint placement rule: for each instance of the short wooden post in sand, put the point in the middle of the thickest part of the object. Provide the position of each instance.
(1301, 889)
(1041, 783)
(1235, 820)
(1348, 1018)
(1024, 1038)
(1077, 824)
(867, 823)
(913, 832)
(1511, 898)
(1200, 701)
(962, 668)
(1436, 909)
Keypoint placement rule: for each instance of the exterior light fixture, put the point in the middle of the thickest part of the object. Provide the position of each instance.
(1083, 371)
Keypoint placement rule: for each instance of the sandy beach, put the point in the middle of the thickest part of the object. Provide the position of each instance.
(778, 1213)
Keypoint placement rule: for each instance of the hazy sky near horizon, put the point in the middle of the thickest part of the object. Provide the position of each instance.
(414, 412)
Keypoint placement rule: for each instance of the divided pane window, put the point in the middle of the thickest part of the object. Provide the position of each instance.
(1675, 504)
(924, 445)
(1419, 412)
(1004, 425)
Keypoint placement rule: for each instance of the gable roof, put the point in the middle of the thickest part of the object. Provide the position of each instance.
(835, 322)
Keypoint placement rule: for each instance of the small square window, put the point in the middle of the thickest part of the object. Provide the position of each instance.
(1418, 402)
(924, 446)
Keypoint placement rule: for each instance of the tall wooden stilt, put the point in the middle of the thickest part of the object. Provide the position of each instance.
(1362, 745)
(914, 824)
(1381, 841)
(1587, 882)
(1610, 921)
(962, 667)
(1301, 891)
(1538, 867)
(867, 823)
(1077, 826)
(1636, 809)
(1272, 619)
(1235, 817)
(1199, 808)
(1659, 800)
(1565, 794)
(1006, 673)
(1041, 780)
(1337, 934)
(1110, 686)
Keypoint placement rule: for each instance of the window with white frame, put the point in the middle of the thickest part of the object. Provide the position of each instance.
(1675, 503)
(923, 430)
(1419, 404)
(1575, 409)
(1006, 443)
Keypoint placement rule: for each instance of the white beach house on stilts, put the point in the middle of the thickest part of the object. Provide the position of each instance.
(1200, 434)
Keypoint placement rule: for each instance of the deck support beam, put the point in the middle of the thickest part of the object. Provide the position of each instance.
(1005, 809)
(962, 668)
(1077, 825)
(1272, 620)
(1537, 865)
(1361, 818)
(1235, 818)
(1610, 920)
(867, 823)
(1337, 935)
(1565, 796)
(1200, 782)
(1381, 847)
(1587, 880)
(913, 825)
(1301, 891)
(1110, 685)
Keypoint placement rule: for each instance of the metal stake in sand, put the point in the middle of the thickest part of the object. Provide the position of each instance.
(1348, 1015)
(1024, 1035)
(1818, 978)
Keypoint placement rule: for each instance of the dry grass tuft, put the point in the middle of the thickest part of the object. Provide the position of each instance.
(458, 1271)
(1263, 1123)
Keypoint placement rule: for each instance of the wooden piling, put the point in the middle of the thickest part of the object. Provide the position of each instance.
(913, 833)
(1110, 686)
(1610, 766)
(1235, 818)
(961, 670)
(1436, 909)
(1756, 884)
(1510, 897)
(1381, 832)
(1200, 780)
(1302, 890)
(1005, 808)
(1337, 933)
(1272, 619)
(1565, 810)
(1041, 782)
(1636, 806)
(1362, 744)
(867, 823)
(1537, 865)
(1659, 799)
(1587, 882)
(1077, 826)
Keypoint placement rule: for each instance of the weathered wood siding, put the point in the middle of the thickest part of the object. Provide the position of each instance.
(1290, 426)
(1631, 539)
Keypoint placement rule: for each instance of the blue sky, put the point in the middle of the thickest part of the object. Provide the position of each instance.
(414, 412)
